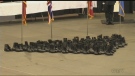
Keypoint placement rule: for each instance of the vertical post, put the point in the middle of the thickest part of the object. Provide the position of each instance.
(120, 24)
(22, 23)
(22, 32)
(51, 30)
(87, 19)
(120, 19)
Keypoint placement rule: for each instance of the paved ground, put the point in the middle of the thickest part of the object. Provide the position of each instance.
(23, 63)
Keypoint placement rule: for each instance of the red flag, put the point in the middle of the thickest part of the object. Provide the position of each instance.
(24, 5)
(90, 9)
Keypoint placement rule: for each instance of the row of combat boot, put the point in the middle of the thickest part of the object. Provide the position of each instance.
(89, 45)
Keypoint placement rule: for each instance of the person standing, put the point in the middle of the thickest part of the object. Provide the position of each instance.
(109, 7)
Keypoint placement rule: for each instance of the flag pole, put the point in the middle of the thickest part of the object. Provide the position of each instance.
(22, 25)
(51, 30)
(120, 17)
(50, 15)
(22, 33)
(119, 24)
(87, 20)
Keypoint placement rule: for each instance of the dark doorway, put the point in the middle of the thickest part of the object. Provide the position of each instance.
(133, 5)
(128, 6)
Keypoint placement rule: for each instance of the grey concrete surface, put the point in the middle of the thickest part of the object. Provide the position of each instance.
(23, 63)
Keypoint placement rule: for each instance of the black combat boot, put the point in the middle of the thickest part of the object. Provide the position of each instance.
(39, 46)
(69, 46)
(7, 48)
(25, 46)
(109, 50)
(52, 46)
(20, 48)
(17, 47)
(64, 46)
(123, 41)
(74, 46)
(96, 49)
(60, 46)
(46, 46)
(32, 47)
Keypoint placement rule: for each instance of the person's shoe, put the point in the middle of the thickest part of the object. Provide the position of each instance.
(107, 23)
(52, 19)
(91, 17)
(111, 23)
(49, 23)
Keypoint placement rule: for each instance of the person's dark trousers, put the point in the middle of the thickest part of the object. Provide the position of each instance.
(109, 13)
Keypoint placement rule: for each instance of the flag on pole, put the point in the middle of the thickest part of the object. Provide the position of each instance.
(50, 13)
(90, 9)
(24, 5)
(121, 8)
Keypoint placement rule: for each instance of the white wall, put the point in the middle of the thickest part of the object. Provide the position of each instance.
(116, 6)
